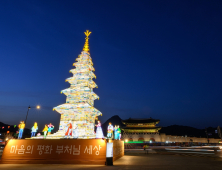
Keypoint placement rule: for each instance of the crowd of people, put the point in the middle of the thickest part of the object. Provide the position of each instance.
(46, 130)
(72, 132)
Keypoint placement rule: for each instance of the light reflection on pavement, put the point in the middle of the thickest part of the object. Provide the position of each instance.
(134, 161)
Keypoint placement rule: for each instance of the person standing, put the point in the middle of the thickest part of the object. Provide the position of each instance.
(115, 132)
(75, 132)
(68, 132)
(21, 127)
(45, 130)
(118, 132)
(50, 128)
(99, 132)
(34, 129)
(110, 131)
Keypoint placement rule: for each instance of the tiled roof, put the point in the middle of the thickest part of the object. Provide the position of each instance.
(141, 128)
(150, 120)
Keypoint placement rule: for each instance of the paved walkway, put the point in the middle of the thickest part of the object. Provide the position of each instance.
(134, 161)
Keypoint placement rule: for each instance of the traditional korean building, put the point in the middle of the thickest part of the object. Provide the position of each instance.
(146, 130)
(141, 129)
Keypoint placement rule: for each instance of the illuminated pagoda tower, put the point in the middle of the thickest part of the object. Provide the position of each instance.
(79, 107)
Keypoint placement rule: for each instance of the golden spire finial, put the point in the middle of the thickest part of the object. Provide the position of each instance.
(86, 45)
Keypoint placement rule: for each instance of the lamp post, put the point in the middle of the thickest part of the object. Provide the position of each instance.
(207, 135)
(27, 114)
(37, 107)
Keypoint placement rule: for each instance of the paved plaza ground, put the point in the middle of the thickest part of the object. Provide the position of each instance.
(138, 161)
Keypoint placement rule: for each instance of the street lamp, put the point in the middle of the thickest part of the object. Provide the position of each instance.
(37, 107)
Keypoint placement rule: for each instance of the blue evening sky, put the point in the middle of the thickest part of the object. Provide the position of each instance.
(159, 59)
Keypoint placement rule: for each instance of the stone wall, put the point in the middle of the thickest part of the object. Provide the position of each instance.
(146, 136)
(164, 138)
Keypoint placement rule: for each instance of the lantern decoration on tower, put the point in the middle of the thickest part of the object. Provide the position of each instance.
(79, 113)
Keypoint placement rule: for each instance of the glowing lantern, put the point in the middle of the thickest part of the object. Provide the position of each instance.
(79, 106)
(8, 131)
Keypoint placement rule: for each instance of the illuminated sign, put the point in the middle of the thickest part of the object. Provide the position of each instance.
(61, 151)
(109, 150)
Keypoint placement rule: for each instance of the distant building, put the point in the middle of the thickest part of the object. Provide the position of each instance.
(146, 130)
(141, 129)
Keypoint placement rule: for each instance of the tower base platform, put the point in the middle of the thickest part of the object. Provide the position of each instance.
(59, 151)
